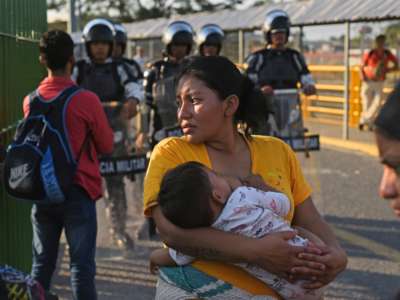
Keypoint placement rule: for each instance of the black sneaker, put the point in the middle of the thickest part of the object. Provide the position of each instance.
(50, 296)
(148, 231)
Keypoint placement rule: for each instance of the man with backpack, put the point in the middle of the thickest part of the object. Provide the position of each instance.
(375, 66)
(86, 133)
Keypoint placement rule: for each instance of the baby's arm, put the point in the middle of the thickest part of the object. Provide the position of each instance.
(160, 258)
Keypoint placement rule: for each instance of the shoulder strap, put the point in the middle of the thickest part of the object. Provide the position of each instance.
(137, 67)
(130, 76)
(35, 104)
(117, 78)
(297, 61)
(83, 147)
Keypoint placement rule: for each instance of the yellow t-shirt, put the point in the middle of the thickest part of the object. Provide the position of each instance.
(271, 158)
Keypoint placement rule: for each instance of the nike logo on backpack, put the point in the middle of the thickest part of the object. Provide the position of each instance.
(18, 175)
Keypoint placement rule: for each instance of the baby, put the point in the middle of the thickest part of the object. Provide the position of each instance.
(191, 195)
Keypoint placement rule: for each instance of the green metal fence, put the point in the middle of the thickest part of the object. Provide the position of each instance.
(21, 24)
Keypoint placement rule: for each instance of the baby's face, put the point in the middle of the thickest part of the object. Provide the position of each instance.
(219, 185)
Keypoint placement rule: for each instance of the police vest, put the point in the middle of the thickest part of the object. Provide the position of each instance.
(101, 79)
(279, 69)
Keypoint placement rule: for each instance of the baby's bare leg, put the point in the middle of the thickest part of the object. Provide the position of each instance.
(304, 233)
(160, 258)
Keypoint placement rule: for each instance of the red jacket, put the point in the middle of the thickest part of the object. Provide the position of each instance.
(84, 113)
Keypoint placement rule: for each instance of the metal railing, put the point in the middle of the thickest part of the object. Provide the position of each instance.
(21, 24)
(327, 105)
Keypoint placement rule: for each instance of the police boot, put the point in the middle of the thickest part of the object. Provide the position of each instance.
(50, 296)
(148, 230)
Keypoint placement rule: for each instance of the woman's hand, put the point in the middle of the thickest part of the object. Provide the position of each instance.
(267, 90)
(274, 254)
(335, 260)
(332, 256)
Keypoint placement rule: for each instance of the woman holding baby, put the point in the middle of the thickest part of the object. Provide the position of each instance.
(213, 98)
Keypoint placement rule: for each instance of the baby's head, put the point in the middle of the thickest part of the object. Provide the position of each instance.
(191, 195)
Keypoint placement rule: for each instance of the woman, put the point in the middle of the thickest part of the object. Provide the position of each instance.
(213, 97)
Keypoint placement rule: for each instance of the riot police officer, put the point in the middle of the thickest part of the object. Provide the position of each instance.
(209, 40)
(278, 67)
(121, 40)
(120, 94)
(159, 86)
(134, 144)
(159, 81)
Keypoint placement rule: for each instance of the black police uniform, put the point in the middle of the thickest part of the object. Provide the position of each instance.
(280, 69)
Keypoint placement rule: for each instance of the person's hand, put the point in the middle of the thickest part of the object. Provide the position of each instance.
(274, 254)
(129, 109)
(335, 260)
(256, 181)
(309, 90)
(141, 142)
(267, 90)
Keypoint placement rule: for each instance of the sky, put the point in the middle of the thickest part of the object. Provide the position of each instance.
(312, 33)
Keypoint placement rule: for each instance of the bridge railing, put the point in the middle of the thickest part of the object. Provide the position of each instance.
(327, 105)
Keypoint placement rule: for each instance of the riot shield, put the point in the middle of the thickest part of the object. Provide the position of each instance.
(165, 100)
(287, 122)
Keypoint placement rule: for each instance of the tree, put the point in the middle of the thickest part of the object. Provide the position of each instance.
(392, 33)
(56, 4)
(134, 10)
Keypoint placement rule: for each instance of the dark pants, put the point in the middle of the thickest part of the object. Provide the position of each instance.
(116, 203)
(77, 216)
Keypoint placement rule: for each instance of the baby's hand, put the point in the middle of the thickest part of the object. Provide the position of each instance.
(256, 181)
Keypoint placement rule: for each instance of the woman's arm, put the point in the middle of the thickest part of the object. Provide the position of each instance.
(272, 252)
(333, 256)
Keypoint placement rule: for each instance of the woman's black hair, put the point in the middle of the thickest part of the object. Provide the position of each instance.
(389, 116)
(221, 75)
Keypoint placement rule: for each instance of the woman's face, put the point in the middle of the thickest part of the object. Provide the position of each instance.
(200, 110)
(389, 152)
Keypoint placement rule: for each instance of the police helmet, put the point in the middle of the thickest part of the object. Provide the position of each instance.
(179, 33)
(121, 37)
(276, 20)
(99, 30)
(210, 34)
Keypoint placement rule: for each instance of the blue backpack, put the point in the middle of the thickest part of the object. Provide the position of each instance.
(39, 165)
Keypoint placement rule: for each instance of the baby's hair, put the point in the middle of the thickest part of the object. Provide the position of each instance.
(185, 194)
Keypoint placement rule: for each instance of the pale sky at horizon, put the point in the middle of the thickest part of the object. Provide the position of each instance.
(311, 32)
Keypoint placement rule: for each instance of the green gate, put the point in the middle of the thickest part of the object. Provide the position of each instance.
(21, 24)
